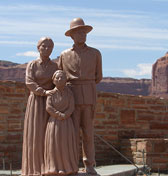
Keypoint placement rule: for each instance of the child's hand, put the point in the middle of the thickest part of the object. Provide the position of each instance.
(61, 116)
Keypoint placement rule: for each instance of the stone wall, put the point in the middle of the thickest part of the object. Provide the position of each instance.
(123, 117)
(13, 98)
(131, 116)
(119, 118)
(150, 151)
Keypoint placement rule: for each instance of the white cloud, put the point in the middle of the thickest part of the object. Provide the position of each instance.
(160, 0)
(28, 54)
(107, 23)
(67, 44)
(8, 42)
(110, 29)
(91, 12)
(113, 30)
(125, 31)
(103, 44)
(24, 43)
(129, 47)
(143, 69)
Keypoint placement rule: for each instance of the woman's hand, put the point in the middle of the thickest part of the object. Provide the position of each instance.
(40, 91)
(49, 92)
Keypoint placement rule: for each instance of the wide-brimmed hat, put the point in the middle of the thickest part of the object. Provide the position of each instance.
(78, 23)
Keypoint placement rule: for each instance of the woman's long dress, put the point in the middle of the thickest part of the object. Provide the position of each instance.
(38, 79)
(60, 142)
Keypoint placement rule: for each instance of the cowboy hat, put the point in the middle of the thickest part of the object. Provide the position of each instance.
(77, 23)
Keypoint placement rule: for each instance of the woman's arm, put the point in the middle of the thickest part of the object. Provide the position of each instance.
(30, 81)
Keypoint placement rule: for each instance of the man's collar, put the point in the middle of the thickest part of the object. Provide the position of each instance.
(74, 47)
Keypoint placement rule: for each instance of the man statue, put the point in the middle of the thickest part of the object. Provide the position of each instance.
(83, 67)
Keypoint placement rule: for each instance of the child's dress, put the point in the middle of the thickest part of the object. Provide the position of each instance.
(60, 153)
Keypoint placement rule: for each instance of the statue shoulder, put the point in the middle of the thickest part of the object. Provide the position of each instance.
(94, 50)
(66, 51)
(32, 63)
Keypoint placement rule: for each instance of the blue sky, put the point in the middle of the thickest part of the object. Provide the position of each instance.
(131, 34)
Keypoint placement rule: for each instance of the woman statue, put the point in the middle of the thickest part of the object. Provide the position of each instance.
(39, 81)
(60, 153)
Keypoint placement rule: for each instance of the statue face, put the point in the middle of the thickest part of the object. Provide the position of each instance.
(60, 80)
(79, 36)
(45, 49)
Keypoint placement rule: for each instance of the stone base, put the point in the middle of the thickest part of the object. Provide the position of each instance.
(112, 170)
(152, 152)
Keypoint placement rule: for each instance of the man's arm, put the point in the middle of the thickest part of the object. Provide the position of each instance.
(99, 75)
(60, 67)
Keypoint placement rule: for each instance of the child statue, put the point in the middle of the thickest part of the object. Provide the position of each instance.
(60, 153)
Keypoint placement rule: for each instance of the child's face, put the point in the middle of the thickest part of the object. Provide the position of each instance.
(60, 80)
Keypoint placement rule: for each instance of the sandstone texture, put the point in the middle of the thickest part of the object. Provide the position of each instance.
(160, 77)
(125, 86)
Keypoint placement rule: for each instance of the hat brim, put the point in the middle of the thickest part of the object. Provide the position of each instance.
(87, 28)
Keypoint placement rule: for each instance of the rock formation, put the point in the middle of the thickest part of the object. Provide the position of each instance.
(16, 72)
(125, 86)
(160, 77)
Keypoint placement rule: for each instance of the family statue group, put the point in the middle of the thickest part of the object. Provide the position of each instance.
(61, 103)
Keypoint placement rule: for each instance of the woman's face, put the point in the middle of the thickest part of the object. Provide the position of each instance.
(60, 80)
(45, 49)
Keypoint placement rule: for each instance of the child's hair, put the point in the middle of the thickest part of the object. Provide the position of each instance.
(58, 72)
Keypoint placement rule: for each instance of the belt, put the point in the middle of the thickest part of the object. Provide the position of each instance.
(79, 82)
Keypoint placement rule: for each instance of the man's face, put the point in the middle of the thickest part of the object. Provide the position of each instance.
(79, 36)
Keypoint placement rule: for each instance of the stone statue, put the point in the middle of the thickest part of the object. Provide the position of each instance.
(39, 74)
(160, 77)
(83, 67)
(60, 153)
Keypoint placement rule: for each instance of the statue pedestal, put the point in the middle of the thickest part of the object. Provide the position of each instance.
(112, 170)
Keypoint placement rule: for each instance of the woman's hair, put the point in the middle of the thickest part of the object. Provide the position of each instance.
(58, 72)
(44, 39)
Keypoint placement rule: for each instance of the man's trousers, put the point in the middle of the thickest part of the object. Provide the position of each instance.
(83, 118)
